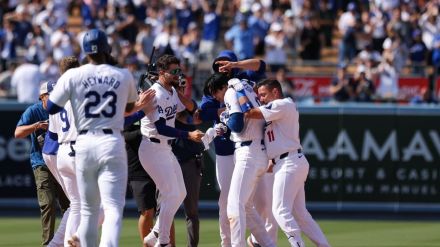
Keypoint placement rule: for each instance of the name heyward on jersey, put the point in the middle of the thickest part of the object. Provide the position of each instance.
(95, 80)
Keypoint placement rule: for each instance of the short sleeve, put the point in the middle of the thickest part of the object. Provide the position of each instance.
(61, 93)
(231, 101)
(52, 123)
(132, 93)
(273, 111)
(26, 118)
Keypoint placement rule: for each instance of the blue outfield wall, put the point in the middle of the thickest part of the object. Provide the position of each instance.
(363, 157)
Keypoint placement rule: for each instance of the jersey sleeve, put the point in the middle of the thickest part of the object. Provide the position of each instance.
(61, 93)
(132, 93)
(231, 101)
(273, 111)
(53, 123)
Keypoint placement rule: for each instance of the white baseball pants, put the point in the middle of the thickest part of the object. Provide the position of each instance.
(263, 203)
(224, 166)
(101, 173)
(51, 163)
(66, 168)
(250, 164)
(160, 163)
(289, 202)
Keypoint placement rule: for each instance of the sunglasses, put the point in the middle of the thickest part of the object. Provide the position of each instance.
(177, 71)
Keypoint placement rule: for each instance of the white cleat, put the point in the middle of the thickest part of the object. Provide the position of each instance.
(151, 239)
(162, 245)
(74, 241)
(295, 241)
(250, 243)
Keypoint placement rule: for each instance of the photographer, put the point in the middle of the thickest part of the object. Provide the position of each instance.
(34, 123)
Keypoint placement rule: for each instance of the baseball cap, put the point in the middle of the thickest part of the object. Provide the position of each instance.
(351, 6)
(47, 87)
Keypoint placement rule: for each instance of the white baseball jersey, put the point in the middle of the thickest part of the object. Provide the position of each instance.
(168, 105)
(282, 127)
(253, 128)
(98, 94)
(63, 124)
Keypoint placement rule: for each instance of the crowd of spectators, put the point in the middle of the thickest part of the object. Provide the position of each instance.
(379, 37)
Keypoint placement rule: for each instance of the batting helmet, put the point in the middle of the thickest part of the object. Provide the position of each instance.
(95, 41)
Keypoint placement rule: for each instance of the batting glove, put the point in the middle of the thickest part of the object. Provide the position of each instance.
(220, 129)
(224, 117)
(236, 84)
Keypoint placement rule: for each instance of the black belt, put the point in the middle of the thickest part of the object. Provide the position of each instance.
(284, 155)
(105, 131)
(155, 140)
(248, 143)
(67, 142)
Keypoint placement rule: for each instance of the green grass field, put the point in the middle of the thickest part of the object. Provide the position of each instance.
(25, 232)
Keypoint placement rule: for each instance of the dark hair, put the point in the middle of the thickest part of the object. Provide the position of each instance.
(215, 82)
(165, 61)
(270, 84)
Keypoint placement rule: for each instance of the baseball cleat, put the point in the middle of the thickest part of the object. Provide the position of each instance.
(251, 243)
(151, 239)
(295, 242)
(73, 241)
(162, 245)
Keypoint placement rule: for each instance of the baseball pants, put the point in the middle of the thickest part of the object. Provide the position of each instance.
(224, 166)
(192, 176)
(250, 164)
(263, 204)
(101, 173)
(66, 169)
(160, 163)
(58, 237)
(288, 192)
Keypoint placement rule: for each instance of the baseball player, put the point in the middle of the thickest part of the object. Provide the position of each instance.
(155, 151)
(227, 64)
(50, 150)
(289, 164)
(250, 165)
(62, 128)
(99, 94)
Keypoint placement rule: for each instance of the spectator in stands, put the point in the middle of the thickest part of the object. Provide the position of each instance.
(418, 52)
(259, 27)
(388, 79)
(62, 42)
(191, 43)
(36, 43)
(395, 46)
(144, 42)
(291, 30)
(346, 25)
(310, 48)
(287, 85)
(211, 27)
(185, 14)
(49, 69)
(8, 39)
(424, 96)
(342, 87)
(126, 22)
(326, 21)
(276, 42)
(23, 25)
(167, 41)
(241, 38)
(26, 82)
(5, 80)
(378, 25)
(365, 89)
